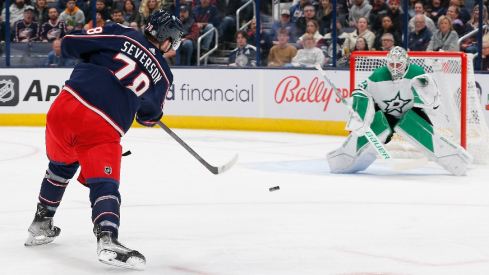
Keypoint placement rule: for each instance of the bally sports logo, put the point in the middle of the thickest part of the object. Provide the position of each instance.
(9, 90)
(290, 89)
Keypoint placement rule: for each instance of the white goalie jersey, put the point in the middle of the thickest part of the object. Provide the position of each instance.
(415, 89)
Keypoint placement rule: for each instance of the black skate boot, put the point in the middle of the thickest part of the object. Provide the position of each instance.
(42, 231)
(111, 252)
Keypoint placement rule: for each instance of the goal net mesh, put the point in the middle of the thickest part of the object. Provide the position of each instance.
(447, 72)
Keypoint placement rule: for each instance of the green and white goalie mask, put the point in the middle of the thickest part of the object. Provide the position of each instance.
(397, 63)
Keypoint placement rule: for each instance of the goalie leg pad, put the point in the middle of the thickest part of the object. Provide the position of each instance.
(357, 154)
(435, 146)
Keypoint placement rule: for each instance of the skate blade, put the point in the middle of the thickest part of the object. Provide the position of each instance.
(39, 240)
(109, 257)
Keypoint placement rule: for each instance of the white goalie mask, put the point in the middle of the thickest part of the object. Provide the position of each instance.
(397, 63)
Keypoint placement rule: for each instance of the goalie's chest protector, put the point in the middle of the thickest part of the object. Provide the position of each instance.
(392, 98)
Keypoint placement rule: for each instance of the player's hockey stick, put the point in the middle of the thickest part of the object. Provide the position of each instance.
(374, 140)
(214, 170)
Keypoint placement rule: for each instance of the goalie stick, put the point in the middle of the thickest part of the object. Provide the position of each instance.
(214, 170)
(374, 140)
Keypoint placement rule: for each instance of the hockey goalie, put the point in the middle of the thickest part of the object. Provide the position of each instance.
(396, 98)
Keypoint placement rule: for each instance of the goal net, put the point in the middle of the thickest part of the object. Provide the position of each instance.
(460, 115)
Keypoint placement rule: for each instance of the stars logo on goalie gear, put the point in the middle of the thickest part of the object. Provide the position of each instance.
(396, 104)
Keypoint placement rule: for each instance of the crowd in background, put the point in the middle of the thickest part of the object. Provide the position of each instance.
(299, 37)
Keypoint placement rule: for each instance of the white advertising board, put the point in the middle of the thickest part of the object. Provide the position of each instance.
(259, 93)
(287, 94)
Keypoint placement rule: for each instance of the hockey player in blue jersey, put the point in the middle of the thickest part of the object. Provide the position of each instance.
(123, 75)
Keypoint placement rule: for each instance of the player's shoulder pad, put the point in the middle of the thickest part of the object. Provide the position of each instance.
(380, 74)
(413, 71)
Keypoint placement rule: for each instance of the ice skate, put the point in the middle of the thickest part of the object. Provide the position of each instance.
(111, 252)
(42, 231)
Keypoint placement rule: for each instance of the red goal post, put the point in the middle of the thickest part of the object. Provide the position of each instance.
(363, 63)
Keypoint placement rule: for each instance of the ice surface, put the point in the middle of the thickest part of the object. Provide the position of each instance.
(186, 220)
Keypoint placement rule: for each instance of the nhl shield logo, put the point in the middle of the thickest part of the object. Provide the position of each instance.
(6, 90)
(108, 170)
(9, 90)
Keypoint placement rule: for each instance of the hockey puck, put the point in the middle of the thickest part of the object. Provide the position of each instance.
(274, 188)
(127, 153)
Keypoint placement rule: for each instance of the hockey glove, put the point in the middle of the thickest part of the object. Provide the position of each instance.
(425, 91)
(150, 123)
(362, 114)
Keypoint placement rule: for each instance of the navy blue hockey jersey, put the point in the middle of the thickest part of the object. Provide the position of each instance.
(122, 74)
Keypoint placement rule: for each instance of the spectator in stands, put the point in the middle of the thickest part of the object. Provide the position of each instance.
(130, 13)
(146, 8)
(207, 18)
(170, 5)
(297, 10)
(387, 27)
(284, 23)
(387, 42)
(469, 44)
(312, 28)
(377, 7)
(419, 39)
(283, 52)
(435, 9)
(244, 55)
(485, 53)
(464, 14)
(410, 10)
(71, 15)
(301, 23)
(227, 27)
(360, 45)
(343, 8)
(341, 37)
(118, 18)
(444, 38)
(61, 5)
(396, 15)
(361, 31)
(41, 12)
(457, 24)
(266, 42)
(79, 25)
(324, 15)
(26, 30)
(54, 28)
(419, 9)
(190, 35)
(309, 56)
(361, 9)
(135, 26)
(100, 22)
(55, 59)
(16, 11)
(2, 34)
(100, 7)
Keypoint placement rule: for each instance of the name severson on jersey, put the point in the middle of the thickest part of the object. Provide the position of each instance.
(135, 51)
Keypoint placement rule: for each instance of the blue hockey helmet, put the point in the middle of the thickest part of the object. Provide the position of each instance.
(161, 25)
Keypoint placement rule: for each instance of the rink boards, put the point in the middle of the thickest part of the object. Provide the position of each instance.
(232, 99)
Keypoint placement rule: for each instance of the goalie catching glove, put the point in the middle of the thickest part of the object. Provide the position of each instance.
(425, 91)
(361, 115)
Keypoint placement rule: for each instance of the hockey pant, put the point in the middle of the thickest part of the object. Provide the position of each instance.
(436, 147)
(77, 136)
(356, 154)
